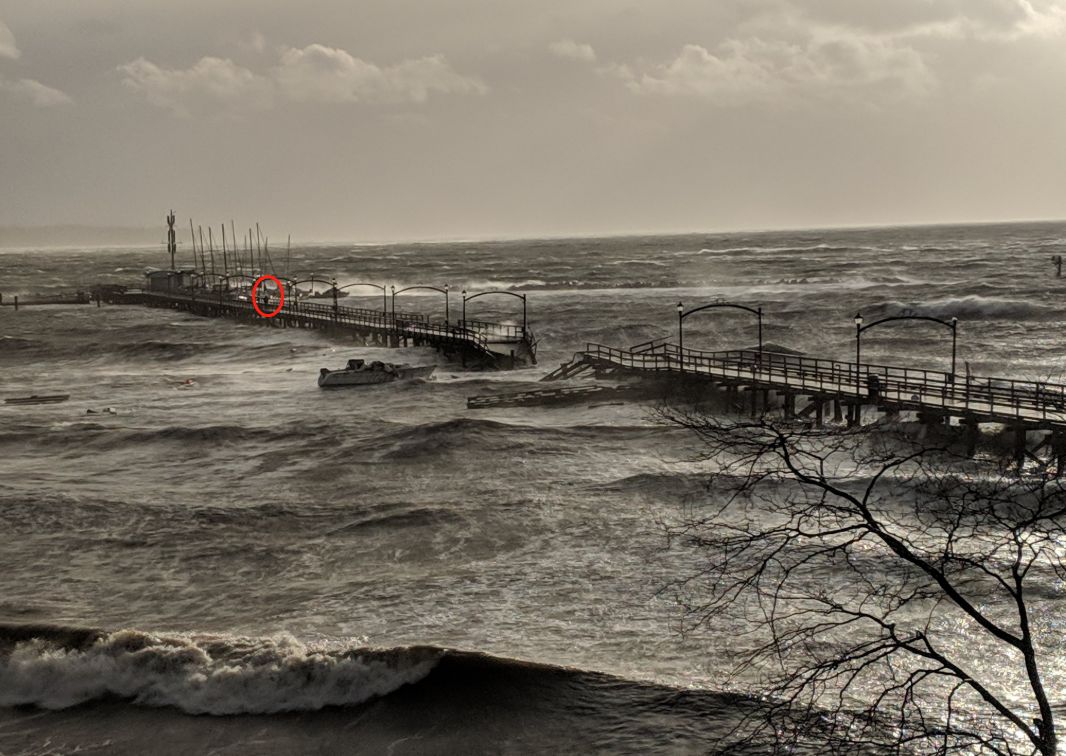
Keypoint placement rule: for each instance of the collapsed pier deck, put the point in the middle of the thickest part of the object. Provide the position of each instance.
(846, 389)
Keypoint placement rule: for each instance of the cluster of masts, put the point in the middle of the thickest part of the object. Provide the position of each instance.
(252, 256)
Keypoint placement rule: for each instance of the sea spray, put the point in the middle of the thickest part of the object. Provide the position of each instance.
(204, 674)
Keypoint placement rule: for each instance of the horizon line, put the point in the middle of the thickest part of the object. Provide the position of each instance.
(559, 236)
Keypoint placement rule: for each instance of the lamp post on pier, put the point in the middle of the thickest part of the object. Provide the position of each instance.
(681, 335)
(858, 351)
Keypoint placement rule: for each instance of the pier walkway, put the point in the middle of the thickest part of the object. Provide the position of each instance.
(775, 379)
(475, 343)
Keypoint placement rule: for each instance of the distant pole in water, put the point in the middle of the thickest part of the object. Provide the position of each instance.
(211, 249)
(259, 247)
(203, 259)
(236, 252)
(1057, 259)
(172, 242)
(288, 257)
(225, 258)
(266, 251)
(192, 233)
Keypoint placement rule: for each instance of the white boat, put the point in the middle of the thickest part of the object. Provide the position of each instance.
(359, 373)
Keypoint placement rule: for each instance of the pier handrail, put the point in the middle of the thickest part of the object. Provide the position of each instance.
(504, 329)
(646, 346)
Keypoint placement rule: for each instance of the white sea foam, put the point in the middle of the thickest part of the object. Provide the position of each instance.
(206, 675)
(973, 307)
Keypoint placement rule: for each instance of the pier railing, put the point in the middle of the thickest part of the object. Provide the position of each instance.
(905, 387)
(497, 330)
(303, 306)
(401, 323)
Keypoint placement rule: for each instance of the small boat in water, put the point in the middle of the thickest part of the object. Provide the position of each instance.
(35, 399)
(359, 373)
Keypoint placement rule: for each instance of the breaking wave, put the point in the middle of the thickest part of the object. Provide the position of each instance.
(975, 307)
(100, 437)
(57, 667)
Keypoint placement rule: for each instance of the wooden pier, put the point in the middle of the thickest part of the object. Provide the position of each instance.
(226, 291)
(808, 389)
(474, 343)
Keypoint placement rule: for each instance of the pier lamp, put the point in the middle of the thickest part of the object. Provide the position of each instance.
(447, 307)
(462, 322)
(681, 333)
(954, 343)
(334, 298)
(858, 350)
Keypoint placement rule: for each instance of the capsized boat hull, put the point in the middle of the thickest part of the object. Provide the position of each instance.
(49, 399)
(369, 377)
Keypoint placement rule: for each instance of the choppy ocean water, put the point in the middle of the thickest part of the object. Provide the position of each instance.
(233, 540)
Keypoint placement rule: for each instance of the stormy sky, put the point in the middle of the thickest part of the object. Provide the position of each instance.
(397, 119)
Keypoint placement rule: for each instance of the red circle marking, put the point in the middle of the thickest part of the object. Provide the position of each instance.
(281, 296)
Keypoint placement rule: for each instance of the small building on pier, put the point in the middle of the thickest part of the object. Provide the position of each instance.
(169, 280)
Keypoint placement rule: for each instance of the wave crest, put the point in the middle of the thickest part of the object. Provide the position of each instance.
(55, 668)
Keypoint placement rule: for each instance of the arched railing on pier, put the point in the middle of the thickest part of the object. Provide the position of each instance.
(496, 292)
(444, 291)
(952, 325)
(384, 294)
(682, 313)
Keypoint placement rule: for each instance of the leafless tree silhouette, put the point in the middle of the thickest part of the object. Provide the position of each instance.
(898, 597)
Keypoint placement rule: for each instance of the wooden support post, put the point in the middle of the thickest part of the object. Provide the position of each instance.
(790, 406)
(1058, 452)
(837, 416)
(1019, 447)
(971, 432)
(818, 413)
